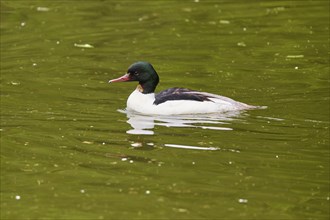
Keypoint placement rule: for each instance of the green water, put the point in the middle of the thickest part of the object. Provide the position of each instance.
(68, 153)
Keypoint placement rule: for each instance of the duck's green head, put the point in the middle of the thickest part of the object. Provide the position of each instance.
(144, 73)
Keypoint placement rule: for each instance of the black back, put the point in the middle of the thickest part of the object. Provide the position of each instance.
(179, 94)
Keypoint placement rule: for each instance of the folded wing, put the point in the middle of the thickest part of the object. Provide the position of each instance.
(180, 94)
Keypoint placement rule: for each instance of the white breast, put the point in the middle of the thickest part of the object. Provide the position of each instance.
(140, 102)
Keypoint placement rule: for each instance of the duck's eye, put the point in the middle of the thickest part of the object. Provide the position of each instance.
(136, 73)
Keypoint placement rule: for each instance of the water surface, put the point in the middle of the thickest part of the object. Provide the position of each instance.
(70, 151)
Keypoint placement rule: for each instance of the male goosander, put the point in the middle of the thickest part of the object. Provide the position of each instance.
(174, 100)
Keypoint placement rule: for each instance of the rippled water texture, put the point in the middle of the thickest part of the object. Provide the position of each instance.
(69, 150)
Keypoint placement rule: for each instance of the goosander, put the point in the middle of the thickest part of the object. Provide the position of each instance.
(171, 101)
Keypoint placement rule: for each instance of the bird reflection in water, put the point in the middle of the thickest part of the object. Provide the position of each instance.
(145, 124)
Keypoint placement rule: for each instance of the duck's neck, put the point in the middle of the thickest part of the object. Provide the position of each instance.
(149, 86)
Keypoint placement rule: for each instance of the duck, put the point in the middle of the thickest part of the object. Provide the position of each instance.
(172, 101)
